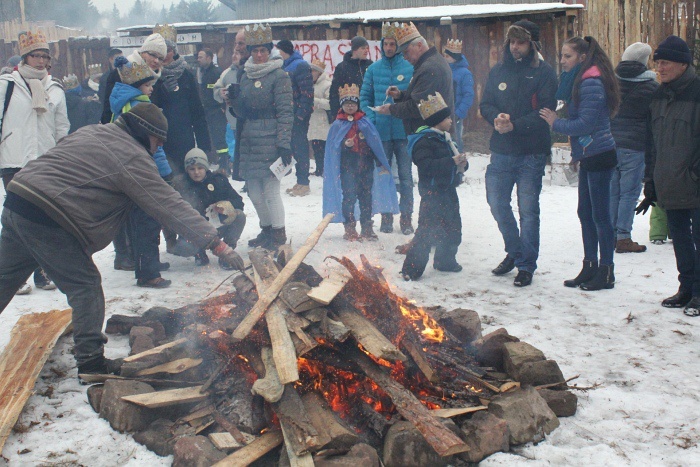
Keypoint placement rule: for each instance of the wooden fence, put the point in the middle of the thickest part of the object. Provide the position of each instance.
(9, 30)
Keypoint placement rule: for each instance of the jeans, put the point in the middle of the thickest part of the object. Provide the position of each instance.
(459, 131)
(684, 228)
(300, 149)
(267, 200)
(397, 147)
(594, 214)
(356, 177)
(319, 148)
(24, 245)
(625, 187)
(525, 171)
(145, 239)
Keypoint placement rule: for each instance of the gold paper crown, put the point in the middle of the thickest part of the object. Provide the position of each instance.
(30, 41)
(389, 30)
(318, 65)
(349, 91)
(258, 34)
(132, 73)
(433, 105)
(168, 32)
(70, 82)
(94, 69)
(406, 33)
(454, 46)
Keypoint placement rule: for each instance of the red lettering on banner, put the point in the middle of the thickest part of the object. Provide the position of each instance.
(328, 57)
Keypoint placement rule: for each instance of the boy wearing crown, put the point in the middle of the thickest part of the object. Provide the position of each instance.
(440, 168)
(353, 150)
(463, 82)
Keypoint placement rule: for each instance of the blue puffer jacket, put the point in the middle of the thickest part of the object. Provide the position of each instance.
(591, 117)
(299, 72)
(394, 71)
(464, 87)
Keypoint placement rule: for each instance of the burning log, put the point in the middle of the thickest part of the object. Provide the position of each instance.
(332, 434)
(295, 295)
(160, 350)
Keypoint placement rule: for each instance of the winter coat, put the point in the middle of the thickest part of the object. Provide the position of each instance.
(90, 197)
(673, 152)
(637, 85)
(318, 125)
(81, 111)
(123, 98)
(206, 78)
(228, 77)
(299, 72)
(26, 133)
(432, 154)
(431, 74)
(349, 71)
(214, 188)
(157, 97)
(463, 86)
(394, 71)
(589, 117)
(268, 113)
(520, 89)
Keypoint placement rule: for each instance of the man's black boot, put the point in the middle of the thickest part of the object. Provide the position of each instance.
(505, 267)
(681, 299)
(262, 237)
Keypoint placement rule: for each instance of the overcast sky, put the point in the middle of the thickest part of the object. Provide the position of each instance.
(125, 5)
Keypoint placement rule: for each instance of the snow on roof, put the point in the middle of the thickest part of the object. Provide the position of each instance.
(399, 14)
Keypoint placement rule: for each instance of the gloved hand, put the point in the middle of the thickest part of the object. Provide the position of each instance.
(285, 154)
(225, 208)
(170, 83)
(228, 256)
(649, 198)
(234, 89)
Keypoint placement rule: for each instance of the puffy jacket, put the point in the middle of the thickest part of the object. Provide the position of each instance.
(318, 125)
(432, 155)
(590, 117)
(464, 87)
(123, 94)
(394, 71)
(302, 85)
(26, 133)
(214, 188)
(520, 89)
(673, 152)
(349, 71)
(228, 77)
(637, 85)
(90, 197)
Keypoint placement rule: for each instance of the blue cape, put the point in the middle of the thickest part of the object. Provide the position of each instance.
(384, 197)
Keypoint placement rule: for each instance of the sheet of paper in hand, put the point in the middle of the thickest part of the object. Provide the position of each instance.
(280, 170)
(213, 216)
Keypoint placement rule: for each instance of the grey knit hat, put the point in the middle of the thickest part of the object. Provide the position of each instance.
(637, 52)
(196, 156)
(149, 117)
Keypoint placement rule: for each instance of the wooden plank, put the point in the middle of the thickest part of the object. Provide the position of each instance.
(330, 287)
(449, 413)
(224, 441)
(32, 340)
(295, 460)
(173, 368)
(417, 355)
(301, 435)
(273, 290)
(153, 400)
(254, 451)
(155, 350)
(332, 433)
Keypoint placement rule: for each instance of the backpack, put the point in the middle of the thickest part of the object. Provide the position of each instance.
(8, 96)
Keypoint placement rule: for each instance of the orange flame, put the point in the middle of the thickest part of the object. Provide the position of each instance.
(431, 330)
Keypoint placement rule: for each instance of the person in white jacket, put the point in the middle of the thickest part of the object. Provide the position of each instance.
(33, 117)
(319, 123)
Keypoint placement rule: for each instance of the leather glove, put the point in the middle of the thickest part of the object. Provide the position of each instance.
(649, 198)
(228, 256)
(170, 83)
(225, 208)
(285, 154)
(234, 89)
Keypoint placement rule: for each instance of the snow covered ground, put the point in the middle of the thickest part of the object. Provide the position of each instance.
(644, 357)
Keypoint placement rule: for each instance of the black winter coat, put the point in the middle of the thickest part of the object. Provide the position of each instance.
(432, 155)
(520, 89)
(629, 127)
(209, 76)
(214, 188)
(349, 71)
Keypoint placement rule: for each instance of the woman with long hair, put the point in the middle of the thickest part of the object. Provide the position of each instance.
(590, 90)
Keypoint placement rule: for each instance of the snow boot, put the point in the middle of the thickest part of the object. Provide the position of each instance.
(368, 232)
(406, 225)
(693, 307)
(201, 259)
(523, 279)
(351, 234)
(277, 238)
(262, 237)
(679, 300)
(387, 225)
(505, 267)
(586, 274)
(122, 262)
(604, 279)
(155, 283)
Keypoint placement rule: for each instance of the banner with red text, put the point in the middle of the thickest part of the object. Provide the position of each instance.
(332, 52)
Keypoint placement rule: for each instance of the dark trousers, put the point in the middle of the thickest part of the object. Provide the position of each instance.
(145, 239)
(24, 245)
(300, 149)
(439, 225)
(594, 213)
(684, 228)
(319, 148)
(216, 122)
(397, 148)
(356, 178)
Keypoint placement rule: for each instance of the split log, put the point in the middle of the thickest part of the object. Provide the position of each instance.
(449, 413)
(153, 400)
(330, 287)
(295, 295)
(94, 379)
(301, 435)
(421, 361)
(254, 451)
(156, 350)
(332, 433)
(240, 437)
(273, 290)
(224, 441)
(295, 459)
(173, 368)
(269, 387)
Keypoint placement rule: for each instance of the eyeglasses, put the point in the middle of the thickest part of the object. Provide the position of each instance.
(157, 57)
(40, 56)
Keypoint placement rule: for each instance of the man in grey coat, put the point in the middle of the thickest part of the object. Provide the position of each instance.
(70, 203)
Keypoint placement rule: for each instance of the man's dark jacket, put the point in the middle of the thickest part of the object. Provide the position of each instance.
(629, 127)
(349, 71)
(299, 72)
(214, 188)
(520, 89)
(209, 76)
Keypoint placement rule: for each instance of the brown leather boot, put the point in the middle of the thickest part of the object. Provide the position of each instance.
(351, 234)
(627, 245)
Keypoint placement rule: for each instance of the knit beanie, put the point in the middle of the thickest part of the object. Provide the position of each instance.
(457, 57)
(196, 156)
(357, 42)
(673, 49)
(525, 30)
(149, 118)
(637, 52)
(155, 44)
(286, 46)
(438, 116)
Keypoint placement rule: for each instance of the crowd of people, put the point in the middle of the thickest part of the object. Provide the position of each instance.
(172, 138)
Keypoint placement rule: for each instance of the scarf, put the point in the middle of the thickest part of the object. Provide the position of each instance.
(37, 81)
(257, 71)
(93, 85)
(135, 57)
(175, 68)
(566, 84)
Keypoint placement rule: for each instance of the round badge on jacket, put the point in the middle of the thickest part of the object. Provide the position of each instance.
(258, 84)
(350, 118)
(210, 187)
(502, 86)
(400, 77)
(360, 135)
(349, 143)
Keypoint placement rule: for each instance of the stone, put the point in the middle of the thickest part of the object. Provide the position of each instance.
(158, 331)
(404, 446)
(137, 331)
(121, 415)
(141, 344)
(539, 373)
(528, 416)
(464, 324)
(195, 451)
(485, 434)
(158, 437)
(172, 322)
(131, 369)
(515, 354)
(94, 395)
(562, 403)
(489, 349)
(360, 455)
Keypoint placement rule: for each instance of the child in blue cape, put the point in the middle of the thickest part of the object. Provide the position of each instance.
(353, 154)
(440, 168)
